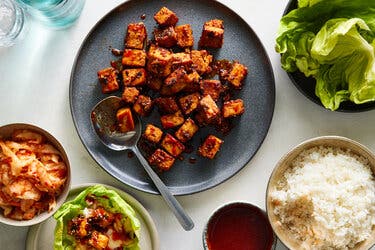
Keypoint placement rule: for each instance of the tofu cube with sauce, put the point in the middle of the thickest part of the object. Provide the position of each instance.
(166, 17)
(134, 77)
(152, 133)
(143, 105)
(172, 120)
(208, 109)
(108, 80)
(187, 130)
(130, 94)
(184, 36)
(233, 108)
(189, 103)
(192, 82)
(210, 147)
(212, 34)
(154, 82)
(165, 37)
(125, 120)
(181, 59)
(159, 60)
(136, 35)
(202, 60)
(134, 58)
(161, 159)
(172, 145)
(211, 87)
(166, 105)
(237, 75)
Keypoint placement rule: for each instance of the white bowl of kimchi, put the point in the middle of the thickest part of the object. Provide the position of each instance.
(34, 174)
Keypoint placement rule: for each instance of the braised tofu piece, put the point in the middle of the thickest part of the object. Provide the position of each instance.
(143, 105)
(189, 103)
(134, 58)
(210, 147)
(237, 75)
(176, 77)
(130, 94)
(233, 108)
(152, 133)
(166, 17)
(201, 61)
(98, 240)
(172, 120)
(181, 59)
(208, 108)
(159, 61)
(187, 130)
(134, 77)
(161, 159)
(108, 80)
(192, 82)
(125, 120)
(165, 37)
(184, 36)
(172, 145)
(212, 34)
(154, 82)
(166, 105)
(212, 88)
(136, 35)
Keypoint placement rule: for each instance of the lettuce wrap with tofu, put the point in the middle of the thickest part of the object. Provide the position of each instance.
(97, 217)
(334, 42)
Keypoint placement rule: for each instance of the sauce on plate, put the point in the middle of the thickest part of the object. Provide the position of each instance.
(239, 226)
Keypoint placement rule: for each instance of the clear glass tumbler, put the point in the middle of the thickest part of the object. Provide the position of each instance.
(12, 20)
(55, 13)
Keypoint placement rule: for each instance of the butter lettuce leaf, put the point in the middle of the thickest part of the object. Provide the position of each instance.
(109, 200)
(333, 41)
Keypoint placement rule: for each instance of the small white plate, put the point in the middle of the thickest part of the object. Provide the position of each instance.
(41, 236)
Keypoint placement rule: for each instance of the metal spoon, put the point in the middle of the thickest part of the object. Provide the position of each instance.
(103, 118)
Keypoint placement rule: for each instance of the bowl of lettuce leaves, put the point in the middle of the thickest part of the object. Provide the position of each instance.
(327, 48)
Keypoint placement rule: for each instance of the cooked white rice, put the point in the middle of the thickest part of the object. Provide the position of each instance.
(327, 199)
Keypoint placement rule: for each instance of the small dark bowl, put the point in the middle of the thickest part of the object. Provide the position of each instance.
(306, 85)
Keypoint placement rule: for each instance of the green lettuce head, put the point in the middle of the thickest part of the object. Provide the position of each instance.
(110, 201)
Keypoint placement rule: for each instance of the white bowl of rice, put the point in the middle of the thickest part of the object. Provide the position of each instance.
(321, 195)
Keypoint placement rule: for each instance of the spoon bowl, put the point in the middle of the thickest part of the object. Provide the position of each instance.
(103, 118)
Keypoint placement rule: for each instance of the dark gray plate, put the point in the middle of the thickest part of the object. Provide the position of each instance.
(241, 43)
(306, 85)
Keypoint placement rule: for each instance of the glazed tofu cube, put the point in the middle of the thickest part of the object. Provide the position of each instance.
(134, 77)
(136, 35)
(208, 108)
(166, 105)
(212, 34)
(159, 61)
(233, 108)
(125, 120)
(192, 82)
(161, 159)
(237, 75)
(172, 120)
(189, 103)
(184, 36)
(172, 145)
(154, 82)
(176, 77)
(130, 94)
(153, 133)
(143, 105)
(201, 61)
(134, 58)
(212, 88)
(210, 147)
(98, 240)
(181, 59)
(187, 130)
(108, 80)
(166, 17)
(165, 37)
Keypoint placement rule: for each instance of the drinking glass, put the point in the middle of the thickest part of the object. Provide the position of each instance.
(55, 13)
(12, 20)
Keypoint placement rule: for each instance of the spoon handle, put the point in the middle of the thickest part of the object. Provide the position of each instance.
(184, 219)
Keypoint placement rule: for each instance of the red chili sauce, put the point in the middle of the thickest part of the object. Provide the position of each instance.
(239, 227)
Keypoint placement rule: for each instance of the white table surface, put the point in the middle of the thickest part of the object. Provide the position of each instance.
(34, 82)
